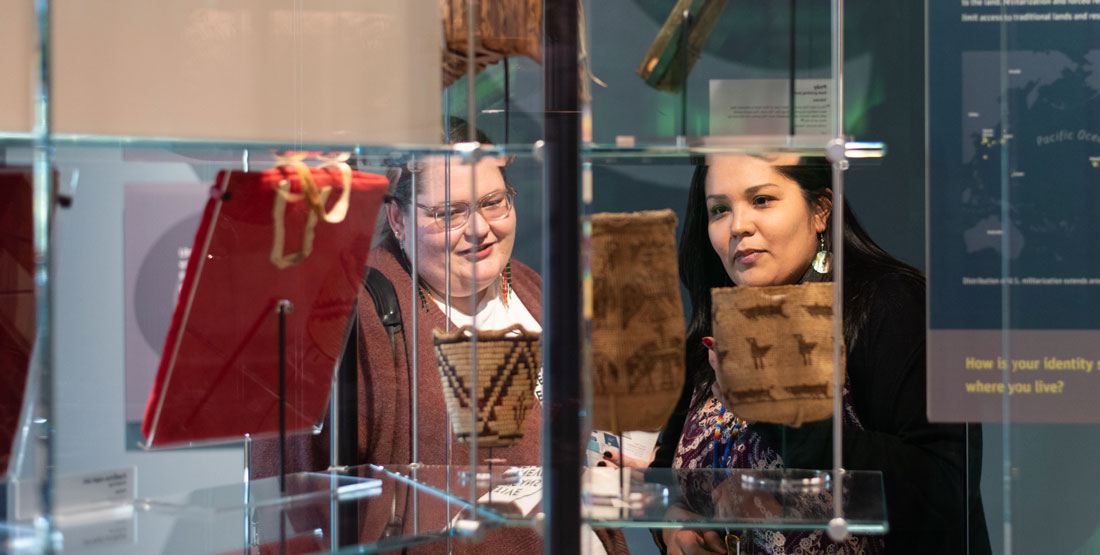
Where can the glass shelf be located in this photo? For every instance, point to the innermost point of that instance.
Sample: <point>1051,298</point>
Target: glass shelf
<point>625,152</point>
<point>627,148</point>
<point>629,151</point>
<point>12,139</point>
<point>789,499</point>
<point>63,139</point>
<point>298,488</point>
<point>16,539</point>
<point>686,498</point>
<point>215,150</point>
<point>217,520</point>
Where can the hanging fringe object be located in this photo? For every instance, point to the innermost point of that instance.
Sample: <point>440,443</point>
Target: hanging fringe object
<point>637,323</point>
<point>666,65</point>
<point>504,28</point>
<point>775,351</point>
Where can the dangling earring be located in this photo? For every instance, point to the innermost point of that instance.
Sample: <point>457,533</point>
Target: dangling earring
<point>506,283</point>
<point>408,268</point>
<point>823,260</point>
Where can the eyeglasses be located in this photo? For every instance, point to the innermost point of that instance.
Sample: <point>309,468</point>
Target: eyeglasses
<point>493,206</point>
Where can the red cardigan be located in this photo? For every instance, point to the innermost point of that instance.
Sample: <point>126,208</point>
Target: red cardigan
<point>385,431</point>
<point>384,392</point>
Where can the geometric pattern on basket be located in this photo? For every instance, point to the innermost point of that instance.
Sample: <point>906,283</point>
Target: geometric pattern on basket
<point>507,366</point>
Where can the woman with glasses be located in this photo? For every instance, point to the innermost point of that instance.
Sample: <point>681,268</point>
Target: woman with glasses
<point>463,251</point>
<point>464,246</point>
<point>460,215</point>
<point>450,221</point>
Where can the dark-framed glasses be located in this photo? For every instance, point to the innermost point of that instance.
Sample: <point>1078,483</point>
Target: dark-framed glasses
<point>493,206</point>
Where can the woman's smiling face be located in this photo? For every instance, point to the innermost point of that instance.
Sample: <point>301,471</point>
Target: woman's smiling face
<point>759,222</point>
<point>479,249</point>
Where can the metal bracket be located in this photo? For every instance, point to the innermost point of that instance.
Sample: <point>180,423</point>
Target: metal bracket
<point>836,151</point>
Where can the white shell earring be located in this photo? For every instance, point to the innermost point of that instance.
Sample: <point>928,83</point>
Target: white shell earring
<point>823,260</point>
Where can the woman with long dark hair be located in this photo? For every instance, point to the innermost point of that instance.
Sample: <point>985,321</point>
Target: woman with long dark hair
<point>754,221</point>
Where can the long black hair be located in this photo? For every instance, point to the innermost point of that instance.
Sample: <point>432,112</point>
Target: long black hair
<point>701,269</point>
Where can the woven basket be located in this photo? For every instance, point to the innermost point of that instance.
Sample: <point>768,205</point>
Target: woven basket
<point>504,28</point>
<point>637,321</point>
<point>507,366</point>
<point>775,351</point>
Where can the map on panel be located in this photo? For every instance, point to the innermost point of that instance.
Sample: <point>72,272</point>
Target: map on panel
<point>1013,194</point>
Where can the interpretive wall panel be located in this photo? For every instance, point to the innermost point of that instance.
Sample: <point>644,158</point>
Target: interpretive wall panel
<point>1014,160</point>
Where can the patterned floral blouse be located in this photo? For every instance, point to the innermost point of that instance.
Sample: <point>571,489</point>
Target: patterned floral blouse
<point>749,450</point>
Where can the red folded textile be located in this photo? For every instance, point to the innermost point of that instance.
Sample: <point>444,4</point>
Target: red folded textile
<point>218,373</point>
<point>307,543</point>
<point>17,309</point>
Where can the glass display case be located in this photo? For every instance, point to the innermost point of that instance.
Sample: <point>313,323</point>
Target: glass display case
<point>243,243</point>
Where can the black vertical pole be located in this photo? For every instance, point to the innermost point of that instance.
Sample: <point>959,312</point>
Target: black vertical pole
<point>284,307</point>
<point>561,423</point>
<point>346,429</point>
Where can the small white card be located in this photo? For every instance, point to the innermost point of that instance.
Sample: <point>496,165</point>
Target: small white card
<point>99,529</point>
<point>524,496</point>
<point>636,445</point>
<point>604,492</point>
<point>77,493</point>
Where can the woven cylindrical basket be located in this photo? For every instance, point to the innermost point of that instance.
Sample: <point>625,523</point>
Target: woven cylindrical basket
<point>775,351</point>
<point>504,28</point>
<point>508,362</point>
<point>637,321</point>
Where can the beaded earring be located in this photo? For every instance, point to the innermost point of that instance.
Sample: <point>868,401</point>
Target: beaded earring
<point>506,283</point>
<point>823,260</point>
<point>408,268</point>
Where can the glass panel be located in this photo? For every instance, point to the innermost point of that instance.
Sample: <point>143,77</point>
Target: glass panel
<point>17,58</point>
<point>159,197</point>
<point>477,225</point>
<point>309,517</point>
<point>634,183</point>
<point>1013,120</point>
<point>271,71</point>
<point>742,60</point>
<point>17,539</point>
<point>218,93</point>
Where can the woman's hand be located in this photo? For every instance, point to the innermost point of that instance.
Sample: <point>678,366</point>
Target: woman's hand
<point>733,502</point>
<point>679,541</point>
<point>712,356</point>
<point>689,542</point>
<point>613,458</point>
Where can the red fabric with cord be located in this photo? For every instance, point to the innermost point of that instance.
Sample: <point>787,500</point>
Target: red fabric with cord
<point>17,309</point>
<point>218,374</point>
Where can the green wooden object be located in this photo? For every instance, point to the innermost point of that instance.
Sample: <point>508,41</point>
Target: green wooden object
<point>665,66</point>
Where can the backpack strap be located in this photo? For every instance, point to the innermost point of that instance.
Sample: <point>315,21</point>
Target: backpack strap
<point>385,304</point>
<point>388,308</point>
<point>389,312</point>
